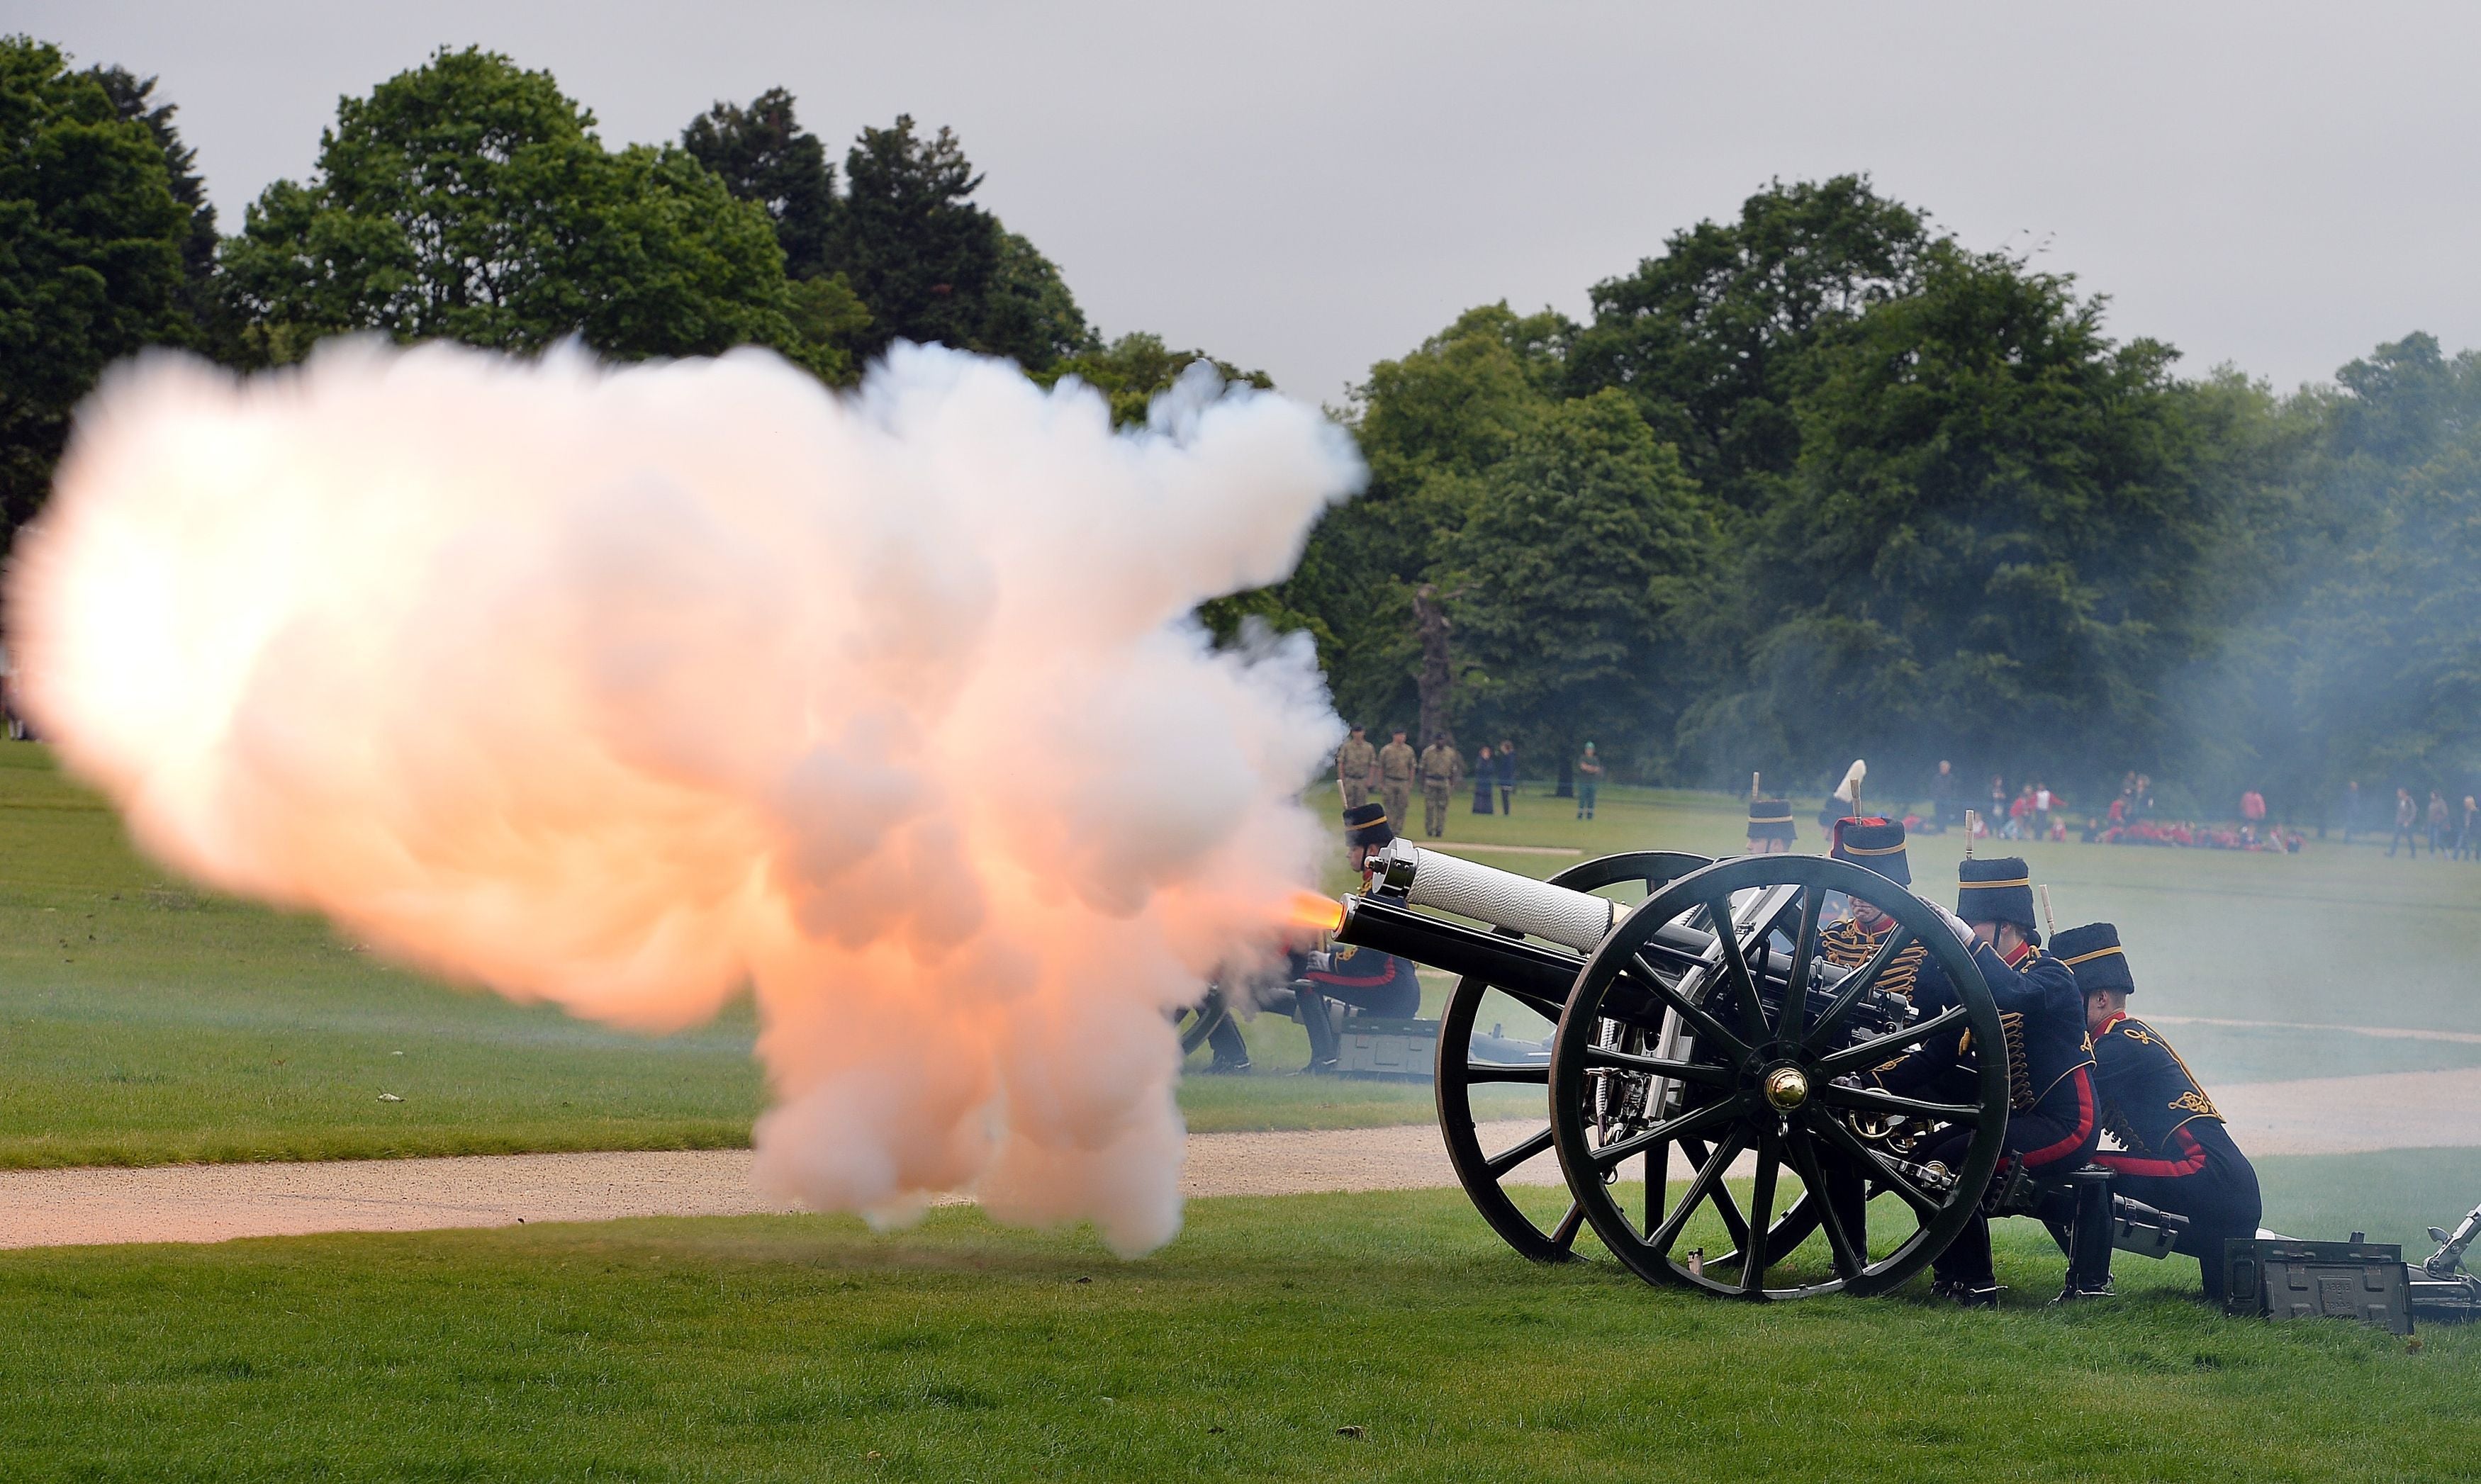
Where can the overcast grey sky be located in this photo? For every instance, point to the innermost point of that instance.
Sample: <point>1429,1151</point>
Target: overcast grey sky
<point>1309,188</point>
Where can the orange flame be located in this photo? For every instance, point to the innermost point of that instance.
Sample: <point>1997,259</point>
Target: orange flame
<point>1318,914</point>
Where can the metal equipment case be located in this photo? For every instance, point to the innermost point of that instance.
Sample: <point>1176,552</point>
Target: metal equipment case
<point>2285,1279</point>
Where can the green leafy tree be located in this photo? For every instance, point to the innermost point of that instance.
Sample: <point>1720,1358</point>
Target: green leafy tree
<point>134,99</point>
<point>762,154</point>
<point>1587,546</point>
<point>470,200</point>
<point>1429,423</point>
<point>2364,659</point>
<point>932,266</point>
<point>1717,338</point>
<point>1991,542</point>
<point>90,256</point>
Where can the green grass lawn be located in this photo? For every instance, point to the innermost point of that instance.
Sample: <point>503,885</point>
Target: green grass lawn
<point>802,1348</point>
<point>141,1020</point>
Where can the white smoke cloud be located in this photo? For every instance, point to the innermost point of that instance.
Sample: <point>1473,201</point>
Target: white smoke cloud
<point>623,688</point>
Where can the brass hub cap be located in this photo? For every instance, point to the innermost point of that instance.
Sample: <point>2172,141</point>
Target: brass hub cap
<point>1786,1089</point>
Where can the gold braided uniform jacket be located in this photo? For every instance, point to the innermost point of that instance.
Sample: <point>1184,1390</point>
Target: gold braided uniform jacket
<point>1848,944</point>
<point>2147,1094</point>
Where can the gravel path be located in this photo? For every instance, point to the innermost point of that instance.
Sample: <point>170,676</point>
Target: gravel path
<point>217,1202</point>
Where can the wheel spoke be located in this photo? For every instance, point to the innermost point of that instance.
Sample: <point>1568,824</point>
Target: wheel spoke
<point>1855,984</point>
<point>1850,1257</point>
<point>1499,1164</point>
<point>1707,1025</point>
<point>1480,1072</point>
<point>1875,1100</point>
<point>1659,1066</point>
<point>1564,1235</point>
<point>1870,1052</point>
<point>1804,945</point>
<point>1688,1124</point>
<point>1923,1203</point>
<point>1735,969</point>
<point>1761,1216</point>
<point>1708,1181</point>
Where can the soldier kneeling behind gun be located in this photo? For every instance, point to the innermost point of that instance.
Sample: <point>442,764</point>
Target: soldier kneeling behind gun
<point>1368,981</point>
<point>2052,1123</point>
<point>2175,1155</point>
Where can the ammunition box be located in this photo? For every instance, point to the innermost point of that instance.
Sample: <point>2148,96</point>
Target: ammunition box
<point>1371,1046</point>
<point>2284,1278</point>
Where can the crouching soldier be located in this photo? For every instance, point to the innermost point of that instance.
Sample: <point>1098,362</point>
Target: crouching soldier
<point>2175,1153</point>
<point>2053,1122</point>
<point>1366,979</point>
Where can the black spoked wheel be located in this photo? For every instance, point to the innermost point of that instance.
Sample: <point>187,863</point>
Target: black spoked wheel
<point>1467,1061</point>
<point>1198,1022</point>
<point>1688,1056</point>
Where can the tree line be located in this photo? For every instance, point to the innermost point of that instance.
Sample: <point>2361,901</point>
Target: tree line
<point>1823,482</point>
<point>469,198</point>
<point>1815,482</point>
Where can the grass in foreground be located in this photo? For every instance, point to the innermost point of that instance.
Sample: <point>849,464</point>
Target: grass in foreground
<point>811,1348</point>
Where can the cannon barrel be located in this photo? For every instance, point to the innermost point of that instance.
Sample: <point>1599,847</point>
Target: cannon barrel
<point>1403,876</point>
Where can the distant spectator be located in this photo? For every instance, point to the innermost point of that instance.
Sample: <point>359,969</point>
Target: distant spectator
<point>1589,782</point>
<point>2020,814</point>
<point>2351,811</point>
<point>2253,808</point>
<point>2437,821</point>
<point>2468,840</point>
<point>2042,810</point>
<point>1485,778</point>
<point>1997,801</point>
<point>1507,777</point>
<point>2142,806</point>
<point>2407,818</point>
<point>1945,808</point>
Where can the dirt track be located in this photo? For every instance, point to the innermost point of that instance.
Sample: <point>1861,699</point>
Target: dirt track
<point>214,1202</point>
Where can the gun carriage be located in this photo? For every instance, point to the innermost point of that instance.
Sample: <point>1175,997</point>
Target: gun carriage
<point>1703,1036</point>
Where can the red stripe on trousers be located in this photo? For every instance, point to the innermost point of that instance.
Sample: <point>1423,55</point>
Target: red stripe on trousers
<point>2076,1137</point>
<point>2189,1163</point>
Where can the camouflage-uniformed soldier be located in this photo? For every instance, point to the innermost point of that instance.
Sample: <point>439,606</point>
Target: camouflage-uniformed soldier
<point>1396,765</point>
<point>1356,768</point>
<point>1442,768</point>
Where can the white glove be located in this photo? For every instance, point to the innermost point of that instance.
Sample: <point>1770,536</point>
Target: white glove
<point>1955,925</point>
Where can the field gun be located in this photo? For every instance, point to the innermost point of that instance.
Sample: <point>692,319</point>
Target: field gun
<point>2441,1287</point>
<point>1702,1028</point>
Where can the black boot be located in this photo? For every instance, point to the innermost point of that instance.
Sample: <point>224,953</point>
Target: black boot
<point>2089,1235</point>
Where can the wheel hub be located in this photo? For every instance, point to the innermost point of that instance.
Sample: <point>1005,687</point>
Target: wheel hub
<point>1786,1089</point>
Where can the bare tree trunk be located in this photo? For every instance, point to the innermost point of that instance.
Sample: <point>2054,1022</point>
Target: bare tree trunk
<point>1430,622</point>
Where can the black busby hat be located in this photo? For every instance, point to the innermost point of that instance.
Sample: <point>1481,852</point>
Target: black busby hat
<point>1770,818</point>
<point>1998,891</point>
<point>2094,952</point>
<point>1365,825</point>
<point>1875,843</point>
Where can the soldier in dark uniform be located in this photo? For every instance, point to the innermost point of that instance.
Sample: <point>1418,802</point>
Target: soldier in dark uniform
<point>2175,1155</point>
<point>1370,981</point>
<point>1770,827</point>
<point>1373,982</point>
<point>1853,939</point>
<point>2054,1122</point>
